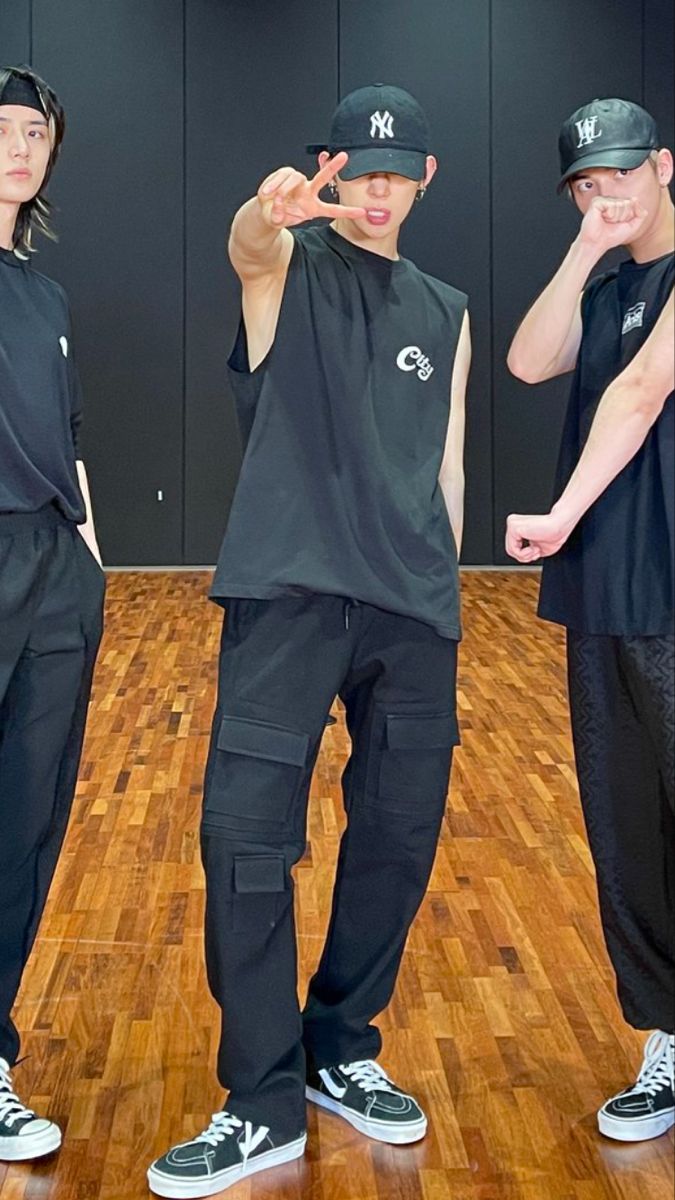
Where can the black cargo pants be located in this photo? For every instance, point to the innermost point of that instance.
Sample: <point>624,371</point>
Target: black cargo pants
<point>282,663</point>
<point>622,700</point>
<point>51,601</point>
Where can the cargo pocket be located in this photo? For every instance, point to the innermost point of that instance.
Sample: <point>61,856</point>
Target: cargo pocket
<point>415,759</point>
<point>260,892</point>
<point>257,772</point>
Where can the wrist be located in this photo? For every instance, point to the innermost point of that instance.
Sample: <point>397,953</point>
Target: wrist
<point>585,254</point>
<point>564,515</point>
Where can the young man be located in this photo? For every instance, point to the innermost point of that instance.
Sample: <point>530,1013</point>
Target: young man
<point>51,583</point>
<point>339,575</point>
<point>611,580</point>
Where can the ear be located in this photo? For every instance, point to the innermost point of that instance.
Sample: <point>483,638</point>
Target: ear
<point>323,158</point>
<point>664,167</point>
<point>431,169</point>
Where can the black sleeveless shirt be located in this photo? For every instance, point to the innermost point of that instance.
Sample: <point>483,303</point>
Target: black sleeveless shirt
<point>344,426</point>
<point>40,399</point>
<point>616,573</point>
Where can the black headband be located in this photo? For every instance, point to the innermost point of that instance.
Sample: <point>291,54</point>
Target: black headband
<point>22,91</point>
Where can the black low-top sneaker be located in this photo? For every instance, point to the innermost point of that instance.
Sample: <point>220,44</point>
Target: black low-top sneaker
<point>647,1109</point>
<point>23,1135</point>
<point>229,1150</point>
<point>365,1096</point>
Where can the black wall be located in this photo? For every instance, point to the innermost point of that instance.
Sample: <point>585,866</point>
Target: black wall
<point>177,109</point>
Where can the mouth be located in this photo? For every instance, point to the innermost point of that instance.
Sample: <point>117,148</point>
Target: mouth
<point>378,216</point>
<point>20,174</point>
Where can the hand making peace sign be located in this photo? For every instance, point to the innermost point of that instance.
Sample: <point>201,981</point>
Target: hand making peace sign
<point>287,197</point>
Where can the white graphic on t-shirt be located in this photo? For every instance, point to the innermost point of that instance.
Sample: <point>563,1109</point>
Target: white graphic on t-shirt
<point>587,131</point>
<point>63,343</point>
<point>411,358</point>
<point>382,125</point>
<point>633,317</point>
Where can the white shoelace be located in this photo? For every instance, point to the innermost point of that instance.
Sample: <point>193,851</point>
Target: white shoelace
<point>223,1125</point>
<point>658,1065</point>
<point>11,1108</point>
<point>367,1075</point>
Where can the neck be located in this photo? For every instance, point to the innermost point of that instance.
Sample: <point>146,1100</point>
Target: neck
<point>8,217</point>
<point>386,247</point>
<point>659,239</point>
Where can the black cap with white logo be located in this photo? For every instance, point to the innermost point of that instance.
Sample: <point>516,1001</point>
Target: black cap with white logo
<point>382,128</point>
<point>606,133</point>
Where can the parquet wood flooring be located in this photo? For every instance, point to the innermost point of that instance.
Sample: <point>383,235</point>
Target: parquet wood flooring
<point>505,1021</point>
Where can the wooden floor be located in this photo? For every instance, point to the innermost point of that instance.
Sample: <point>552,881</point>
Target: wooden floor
<point>505,1021</point>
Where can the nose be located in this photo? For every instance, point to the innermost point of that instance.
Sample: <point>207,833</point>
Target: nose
<point>379,184</point>
<point>20,147</point>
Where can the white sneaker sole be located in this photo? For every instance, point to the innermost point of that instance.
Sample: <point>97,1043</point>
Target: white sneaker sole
<point>640,1130</point>
<point>191,1189</point>
<point>35,1145</point>
<point>381,1131</point>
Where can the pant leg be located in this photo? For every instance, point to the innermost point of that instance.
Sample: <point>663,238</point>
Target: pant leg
<point>42,718</point>
<point>617,726</point>
<point>281,665</point>
<point>400,703</point>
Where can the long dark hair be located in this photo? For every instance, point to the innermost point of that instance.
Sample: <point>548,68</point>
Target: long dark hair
<point>35,214</point>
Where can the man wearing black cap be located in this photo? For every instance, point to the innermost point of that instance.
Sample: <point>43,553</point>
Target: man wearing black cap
<point>339,575</point>
<point>51,584</point>
<point>610,579</point>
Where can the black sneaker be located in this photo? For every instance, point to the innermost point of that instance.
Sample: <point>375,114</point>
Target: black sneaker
<point>229,1150</point>
<point>23,1135</point>
<point>647,1109</point>
<point>365,1096</point>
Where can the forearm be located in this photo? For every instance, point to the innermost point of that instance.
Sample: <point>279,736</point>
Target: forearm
<point>252,238</point>
<point>623,419</point>
<point>543,333</point>
<point>87,528</point>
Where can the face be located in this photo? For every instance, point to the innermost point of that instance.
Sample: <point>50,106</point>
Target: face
<point>387,198</point>
<point>24,152</point>
<point>644,183</point>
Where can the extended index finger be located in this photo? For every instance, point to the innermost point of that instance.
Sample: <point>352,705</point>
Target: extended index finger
<point>328,170</point>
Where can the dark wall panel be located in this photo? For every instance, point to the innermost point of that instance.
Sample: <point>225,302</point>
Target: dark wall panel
<point>659,84</point>
<point>14,32</point>
<point>548,59</point>
<point>261,79</point>
<point>118,67</point>
<point>440,52</point>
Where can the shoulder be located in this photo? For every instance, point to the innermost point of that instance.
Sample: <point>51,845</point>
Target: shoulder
<point>49,287</point>
<point>445,292</point>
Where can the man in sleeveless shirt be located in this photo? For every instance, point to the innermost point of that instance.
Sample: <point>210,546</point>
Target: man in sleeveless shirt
<point>51,582</point>
<point>339,575</point>
<point>609,558</point>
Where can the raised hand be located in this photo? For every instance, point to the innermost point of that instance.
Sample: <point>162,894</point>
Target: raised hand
<point>610,222</point>
<point>287,197</point>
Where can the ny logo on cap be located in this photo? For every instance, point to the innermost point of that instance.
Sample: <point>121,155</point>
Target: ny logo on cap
<point>382,125</point>
<point>587,131</point>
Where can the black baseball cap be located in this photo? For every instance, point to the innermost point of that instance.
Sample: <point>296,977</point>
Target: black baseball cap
<point>382,128</point>
<point>606,133</point>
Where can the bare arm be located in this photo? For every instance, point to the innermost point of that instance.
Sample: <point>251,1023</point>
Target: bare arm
<point>628,409</point>
<point>548,339</point>
<point>87,528</point>
<point>451,474</point>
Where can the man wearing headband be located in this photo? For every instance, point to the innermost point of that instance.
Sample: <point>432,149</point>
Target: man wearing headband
<point>339,575</point>
<point>611,578</point>
<point>51,583</point>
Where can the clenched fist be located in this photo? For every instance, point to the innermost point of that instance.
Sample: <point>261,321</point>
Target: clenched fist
<point>609,222</point>
<point>287,197</point>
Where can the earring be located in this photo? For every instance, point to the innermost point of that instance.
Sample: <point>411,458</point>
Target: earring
<point>332,188</point>
<point>421,192</point>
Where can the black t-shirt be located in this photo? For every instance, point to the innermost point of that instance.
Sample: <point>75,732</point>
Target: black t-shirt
<point>40,405</point>
<point>344,426</point>
<point>616,573</point>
